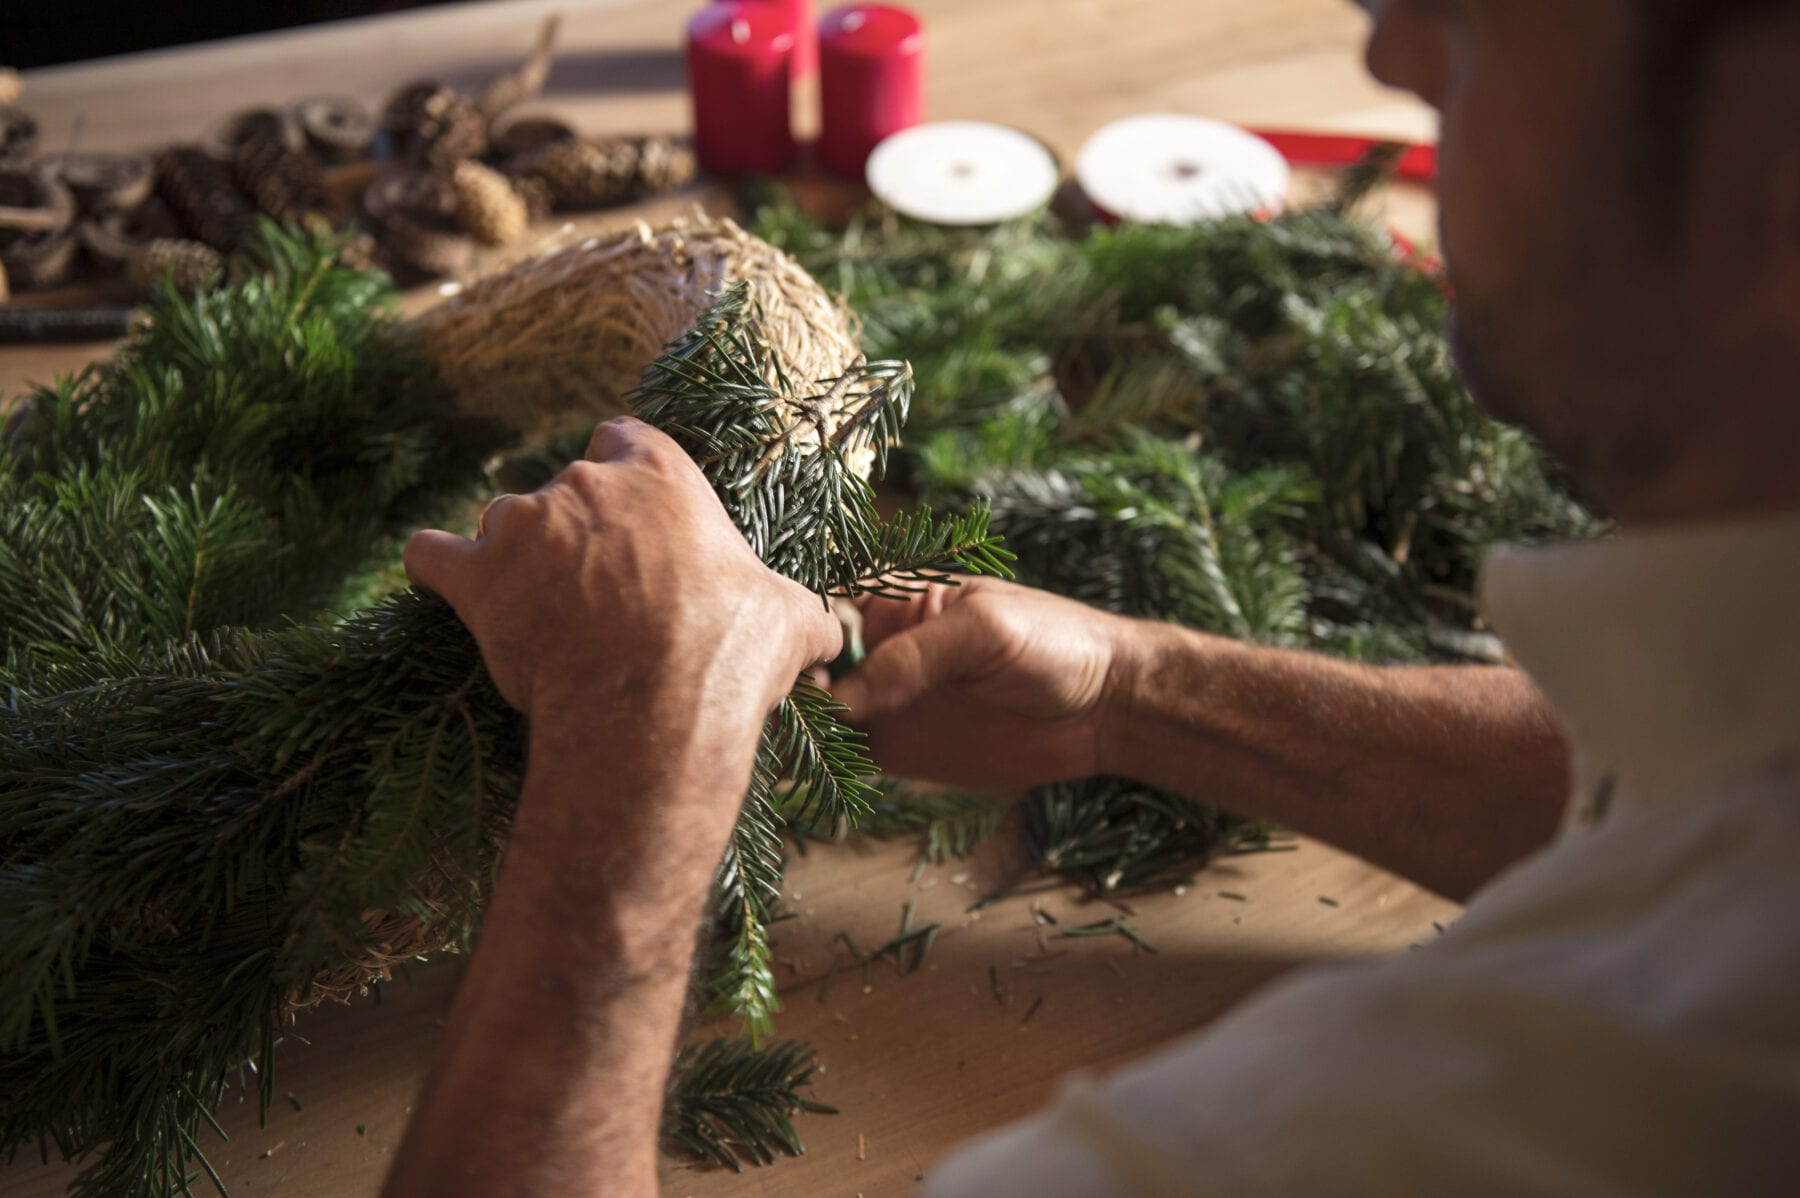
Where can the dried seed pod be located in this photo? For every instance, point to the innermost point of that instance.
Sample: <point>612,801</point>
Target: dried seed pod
<point>18,134</point>
<point>407,190</point>
<point>526,134</point>
<point>202,193</point>
<point>336,128</point>
<point>586,174</point>
<point>487,205</point>
<point>428,124</point>
<point>285,183</point>
<point>37,260</point>
<point>664,164</point>
<point>408,107</point>
<point>187,266</point>
<point>110,237</point>
<point>224,139</point>
<point>515,87</point>
<point>455,135</point>
<point>105,244</point>
<point>416,214</point>
<point>35,200</point>
<point>108,182</point>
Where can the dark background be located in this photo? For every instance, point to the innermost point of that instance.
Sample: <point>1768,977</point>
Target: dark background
<point>36,33</point>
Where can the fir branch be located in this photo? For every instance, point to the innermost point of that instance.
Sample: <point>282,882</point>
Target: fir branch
<point>946,824</point>
<point>732,1103</point>
<point>198,834</point>
<point>1116,836</point>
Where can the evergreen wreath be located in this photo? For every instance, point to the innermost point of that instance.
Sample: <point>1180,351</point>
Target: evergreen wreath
<point>209,819</point>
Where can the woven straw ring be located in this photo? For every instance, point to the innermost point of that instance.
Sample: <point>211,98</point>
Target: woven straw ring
<point>481,520</point>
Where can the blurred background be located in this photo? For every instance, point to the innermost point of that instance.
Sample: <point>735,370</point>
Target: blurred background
<point>36,34</point>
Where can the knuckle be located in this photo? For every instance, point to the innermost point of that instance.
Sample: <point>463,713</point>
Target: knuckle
<point>583,478</point>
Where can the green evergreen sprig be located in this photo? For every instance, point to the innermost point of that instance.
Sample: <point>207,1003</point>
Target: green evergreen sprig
<point>201,825</point>
<point>947,825</point>
<point>1251,427</point>
<point>733,1103</point>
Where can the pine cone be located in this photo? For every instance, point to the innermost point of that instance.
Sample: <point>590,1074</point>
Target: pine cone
<point>527,134</point>
<point>487,205</point>
<point>408,108</point>
<point>539,203</point>
<point>455,135</point>
<point>228,136</point>
<point>664,164</point>
<point>188,266</point>
<point>284,183</point>
<point>202,194</point>
<point>586,174</point>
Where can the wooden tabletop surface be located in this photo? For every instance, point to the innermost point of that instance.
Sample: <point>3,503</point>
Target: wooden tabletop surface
<point>914,1062</point>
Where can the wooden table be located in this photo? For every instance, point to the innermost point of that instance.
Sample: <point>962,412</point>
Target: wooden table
<point>915,1062</point>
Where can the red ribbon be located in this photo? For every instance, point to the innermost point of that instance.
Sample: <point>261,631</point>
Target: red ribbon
<point>1418,163</point>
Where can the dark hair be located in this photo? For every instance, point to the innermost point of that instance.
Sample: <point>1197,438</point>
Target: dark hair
<point>1674,39</point>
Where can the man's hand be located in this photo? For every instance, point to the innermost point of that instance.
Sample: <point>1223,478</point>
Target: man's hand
<point>624,569</point>
<point>987,684</point>
<point>620,610</point>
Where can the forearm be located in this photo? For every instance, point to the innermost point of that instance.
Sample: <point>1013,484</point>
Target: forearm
<point>552,1076</point>
<point>1444,775</point>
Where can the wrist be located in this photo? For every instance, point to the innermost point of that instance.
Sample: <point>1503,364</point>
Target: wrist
<point>1123,705</point>
<point>1152,688</point>
<point>623,787</point>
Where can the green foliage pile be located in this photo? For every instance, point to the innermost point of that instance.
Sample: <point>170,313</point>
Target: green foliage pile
<point>209,813</point>
<point>1249,427</point>
<point>215,803</point>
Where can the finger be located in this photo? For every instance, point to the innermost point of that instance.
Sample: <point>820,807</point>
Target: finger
<point>439,561</point>
<point>822,635</point>
<point>489,521</point>
<point>907,665</point>
<point>884,617</point>
<point>622,438</point>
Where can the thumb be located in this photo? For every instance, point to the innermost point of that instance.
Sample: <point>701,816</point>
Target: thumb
<point>437,561</point>
<point>908,665</point>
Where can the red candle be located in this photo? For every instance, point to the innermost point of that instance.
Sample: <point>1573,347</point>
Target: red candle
<point>806,34</point>
<point>870,57</point>
<point>740,58</point>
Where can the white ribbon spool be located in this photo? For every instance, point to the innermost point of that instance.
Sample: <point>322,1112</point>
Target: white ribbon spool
<point>962,173</point>
<point>1174,170</point>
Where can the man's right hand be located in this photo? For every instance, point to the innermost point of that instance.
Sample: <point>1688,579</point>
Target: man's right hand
<point>988,684</point>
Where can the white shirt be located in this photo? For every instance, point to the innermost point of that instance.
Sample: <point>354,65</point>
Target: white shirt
<point>1619,1014</point>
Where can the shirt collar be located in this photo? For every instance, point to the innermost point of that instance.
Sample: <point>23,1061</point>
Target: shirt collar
<point>1672,655</point>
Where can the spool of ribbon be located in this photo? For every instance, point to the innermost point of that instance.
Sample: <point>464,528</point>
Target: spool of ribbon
<point>962,173</point>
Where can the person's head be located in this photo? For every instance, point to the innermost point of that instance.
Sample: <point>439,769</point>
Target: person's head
<point>1620,213</point>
